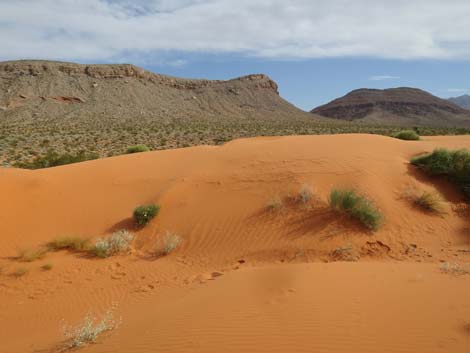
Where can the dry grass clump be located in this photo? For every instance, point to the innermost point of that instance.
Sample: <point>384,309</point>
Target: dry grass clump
<point>357,206</point>
<point>430,201</point>
<point>69,243</point>
<point>274,204</point>
<point>305,194</point>
<point>171,241</point>
<point>455,269</point>
<point>46,267</point>
<point>427,201</point>
<point>89,329</point>
<point>117,243</point>
<point>31,255</point>
<point>20,272</point>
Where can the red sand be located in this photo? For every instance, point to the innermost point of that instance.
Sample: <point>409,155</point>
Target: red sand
<point>281,297</point>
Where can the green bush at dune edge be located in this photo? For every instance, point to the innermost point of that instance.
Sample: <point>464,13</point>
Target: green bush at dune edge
<point>407,135</point>
<point>455,165</point>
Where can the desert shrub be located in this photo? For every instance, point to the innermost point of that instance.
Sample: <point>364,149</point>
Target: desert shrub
<point>53,159</point>
<point>137,149</point>
<point>430,202</point>
<point>89,329</point>
<point>454,165</point>
<point>47,267</point>
<point>20,272</point>
<point>31,255</point>
<point>116,243</point>
<point>357,206</point>
<point>455,269</point>
<point>274,204</point>
<point>408,135</point>
<point>143,214</point>
<point>305,194</point>
<point>68,243</point>
<point>170,242</point>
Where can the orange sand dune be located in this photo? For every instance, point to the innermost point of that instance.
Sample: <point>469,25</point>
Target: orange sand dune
<point>275,295</point>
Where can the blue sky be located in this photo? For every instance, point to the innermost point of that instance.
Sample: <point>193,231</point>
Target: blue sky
<point>309,83</point>
<point>316,50</point>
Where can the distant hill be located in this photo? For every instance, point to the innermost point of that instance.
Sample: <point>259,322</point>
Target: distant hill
<point>31,89</point>
<point>398,106</point>
<point>70,107</point>
<point>461,101</point>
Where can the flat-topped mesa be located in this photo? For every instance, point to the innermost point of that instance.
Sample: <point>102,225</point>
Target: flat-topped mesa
<point>403,106</point>
<point>121,71</point>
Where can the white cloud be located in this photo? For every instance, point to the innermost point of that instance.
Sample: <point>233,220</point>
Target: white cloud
<point>106,30</point>
<point>383,78</point>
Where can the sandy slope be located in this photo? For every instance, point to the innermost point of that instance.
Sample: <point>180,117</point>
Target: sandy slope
<point>275,295</point>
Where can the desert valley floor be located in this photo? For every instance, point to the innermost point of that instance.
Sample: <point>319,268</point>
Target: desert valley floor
<point>300,278</point>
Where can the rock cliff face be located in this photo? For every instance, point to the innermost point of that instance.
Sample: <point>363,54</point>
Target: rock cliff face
<point>403,106</point>
<point>56,89</point>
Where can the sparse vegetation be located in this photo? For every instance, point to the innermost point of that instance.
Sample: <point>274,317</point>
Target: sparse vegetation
<point>89,329</point>
<point>53,159</point>
<point>117,243</point>
<point>20,272</point>
<point>144,214</point>
<point>47,267</point>
<point>170,242</point>
<point>274,204</point>
<point>357,206</point>
<point>305,194</point>
<point>345,253</point>
<point>454,165</point>
<point>69,243</point>
<point>137,149</point>
<point>455,269</point>
<point>408,135</point>
<point>430,202</point>
<point>31,255</point>
<point>25,140</point>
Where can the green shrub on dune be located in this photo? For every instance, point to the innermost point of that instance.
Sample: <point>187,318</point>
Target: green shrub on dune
<point>455,165</point>
<point>137,149</point>
<point>143,214</point>
<point>408,135</point>
<point>357,206</point>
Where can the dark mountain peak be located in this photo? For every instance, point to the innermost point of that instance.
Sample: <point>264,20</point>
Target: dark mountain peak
<point>401,105</point>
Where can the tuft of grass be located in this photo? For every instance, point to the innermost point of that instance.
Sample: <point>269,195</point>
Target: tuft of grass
<point>274,204</point>
<point>31,255</point>
<point>170,242</point>
<point>356,206</point>
<point>143,214</point>
<point>305,194</point>
<point>117,243</point>
<point>47,267</point>
<point>408,135</point>
<point>430,202</point>
<point>455,165</point>
<point>20,272</point>
<point>89,329</point>
<point>455,269</point>
<point>69,243</point>
<point>137,149</point>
